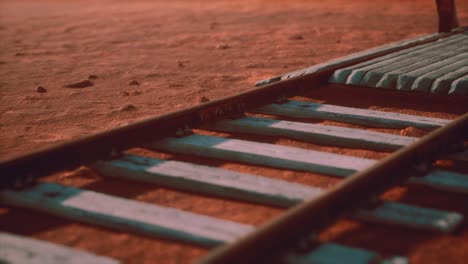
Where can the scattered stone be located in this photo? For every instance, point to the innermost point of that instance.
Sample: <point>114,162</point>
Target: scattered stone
<point>180,64</point>
<point>413,132</point>
<point>127,107</point>
<point>222,46</point>
<point>134,82</point>
<point>296,37</point>
<point>135,92</point>
<point>338,41</point>
<point>202,99</point>
<point>213,25</point>
<point>18,54</point>
<point>82,84</point>
<point>41,89</point>
<point>285,66</point>
<point>124,93</point>
<point>92,77</point>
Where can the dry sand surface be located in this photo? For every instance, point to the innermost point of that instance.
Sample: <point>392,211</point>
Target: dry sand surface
<point>104,64</point>
<point>177,51</point>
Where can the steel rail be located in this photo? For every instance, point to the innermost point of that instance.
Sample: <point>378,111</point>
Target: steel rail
<point>18,170</point>
<point>269,241</point>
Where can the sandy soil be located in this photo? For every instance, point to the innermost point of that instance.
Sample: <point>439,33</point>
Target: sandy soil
<point>177,52</point>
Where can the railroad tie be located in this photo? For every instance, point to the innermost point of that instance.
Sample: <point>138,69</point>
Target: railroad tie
<point>443,180</point>
<point>222,183</point>
<point>207,180</point>
<point>271,155</point>
<point>370,118</point>
<point>18,249</point>
<point>314,133</point>
<point>123,214</point>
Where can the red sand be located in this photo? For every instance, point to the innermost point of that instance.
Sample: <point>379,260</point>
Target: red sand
<point>179,51</point>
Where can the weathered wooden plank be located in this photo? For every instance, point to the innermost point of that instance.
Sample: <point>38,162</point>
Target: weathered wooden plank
<point>123,214</point>
<point>358,56</point>
<point>424,82</point>
<point>298,109</point>
<point>459,86</point>
<point>264,154</point>
<point>354,74</point>
<point>212,181</point>
<point>331,253</point>
<point>341,75</point>
<point>442,84</point>
<point>373,77</point>
<point>405,81</point>
<point>207,180</point>
<point>412,217</point>
<point>17,249</point>
<point>389,78</point>
<point>315,133</point>
<point>443,180</point>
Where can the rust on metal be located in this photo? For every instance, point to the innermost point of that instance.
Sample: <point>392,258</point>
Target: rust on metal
<point>270,240</point>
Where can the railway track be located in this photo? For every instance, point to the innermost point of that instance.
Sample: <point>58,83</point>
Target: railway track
<point>326,161</point>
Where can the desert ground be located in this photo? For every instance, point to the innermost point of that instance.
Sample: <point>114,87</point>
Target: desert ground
<point>177,51</point>
<point>74,68</point>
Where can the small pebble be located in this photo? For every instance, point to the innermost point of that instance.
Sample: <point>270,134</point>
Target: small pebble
<point>222,46</point>
<point>127,107</point>
<point>41,89</point>
<point>413,132</point>
<point>180,64</point>
<point>82,84</point>
<point>296,37</point>
<point>134,82</point>
<point>202,99</point>
<point>124,93</point>
<point>92,77</point>
<point>213,25</point>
